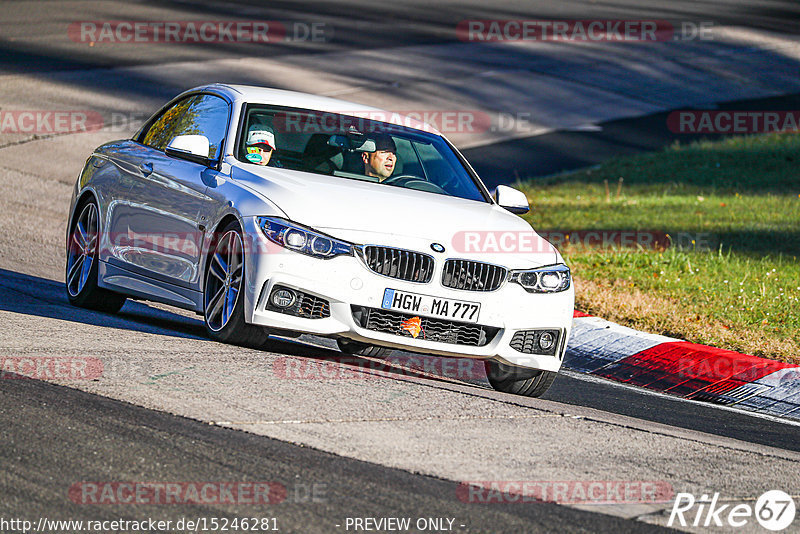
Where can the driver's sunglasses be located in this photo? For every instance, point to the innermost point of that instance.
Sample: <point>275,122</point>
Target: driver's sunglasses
<point>255,149</point>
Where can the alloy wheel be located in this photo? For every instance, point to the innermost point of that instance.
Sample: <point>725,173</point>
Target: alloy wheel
<point>224,280</point>
<point>82,247</point>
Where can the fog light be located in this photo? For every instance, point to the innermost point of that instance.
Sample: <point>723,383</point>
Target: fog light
<point>546,340</point>
<point>283,298</point>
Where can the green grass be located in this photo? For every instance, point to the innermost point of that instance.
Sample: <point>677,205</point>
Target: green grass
<point>737,286</point>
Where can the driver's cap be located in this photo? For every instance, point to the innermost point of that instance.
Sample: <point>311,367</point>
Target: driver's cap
<point>385,142</point>
<point>260,135</point>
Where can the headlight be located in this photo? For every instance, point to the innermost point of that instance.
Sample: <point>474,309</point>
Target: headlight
<point>551,279</point>
<point>302,239</point>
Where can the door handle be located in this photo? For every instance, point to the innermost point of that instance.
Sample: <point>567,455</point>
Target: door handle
<point>146,168</point>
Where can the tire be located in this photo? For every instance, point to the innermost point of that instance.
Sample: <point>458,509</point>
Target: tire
<point>362,349</point>
<point>81,266</point>
<point>519,380</point>
<point>223,303</point>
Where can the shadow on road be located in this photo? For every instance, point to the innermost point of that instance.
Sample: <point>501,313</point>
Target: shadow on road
<point>32,295</point>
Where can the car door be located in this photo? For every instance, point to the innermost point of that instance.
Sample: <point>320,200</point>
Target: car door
<point>167,204</point>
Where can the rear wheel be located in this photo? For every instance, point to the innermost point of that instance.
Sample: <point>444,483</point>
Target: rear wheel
<point>519,380</point>
<point>222,295</point>
<point>81,276</point>
<point>362,349</point>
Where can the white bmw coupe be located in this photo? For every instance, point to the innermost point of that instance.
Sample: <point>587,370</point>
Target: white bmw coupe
<point>271,211</point>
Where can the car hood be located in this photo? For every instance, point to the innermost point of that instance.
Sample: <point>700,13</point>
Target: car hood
<point>369,213</point>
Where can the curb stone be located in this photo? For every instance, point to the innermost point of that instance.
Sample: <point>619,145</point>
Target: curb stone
<point>681,368</point>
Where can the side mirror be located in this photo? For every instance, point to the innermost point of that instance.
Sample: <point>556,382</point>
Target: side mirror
<point>191,147</point>
<point>511,199</point>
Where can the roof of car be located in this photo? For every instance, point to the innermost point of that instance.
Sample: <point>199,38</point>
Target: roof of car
<point>265,95</point>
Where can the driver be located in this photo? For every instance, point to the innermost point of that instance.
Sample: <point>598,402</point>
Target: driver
<point>260,144</point>
<point>380,164</point>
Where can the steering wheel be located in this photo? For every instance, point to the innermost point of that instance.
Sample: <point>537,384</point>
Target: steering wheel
<point>410,181</point>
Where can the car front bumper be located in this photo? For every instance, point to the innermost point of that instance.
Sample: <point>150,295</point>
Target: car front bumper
<point>347,283</point>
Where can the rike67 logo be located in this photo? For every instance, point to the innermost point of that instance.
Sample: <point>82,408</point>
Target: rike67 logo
<point>774,510</point>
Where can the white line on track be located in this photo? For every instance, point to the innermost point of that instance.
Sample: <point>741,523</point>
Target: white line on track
<point>387,419</point>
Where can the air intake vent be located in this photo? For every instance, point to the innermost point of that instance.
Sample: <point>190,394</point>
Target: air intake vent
<point>472,275</point>
<point>398,263</point>
<point>431,329</point>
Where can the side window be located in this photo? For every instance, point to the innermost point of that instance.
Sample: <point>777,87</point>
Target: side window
<point>406,162</point>
<point>160,132</point>
<point>209,117</point>
<point>197,115</point>
<point>435,166</point>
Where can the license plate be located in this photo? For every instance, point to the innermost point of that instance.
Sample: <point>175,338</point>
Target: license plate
<point>457,310</point>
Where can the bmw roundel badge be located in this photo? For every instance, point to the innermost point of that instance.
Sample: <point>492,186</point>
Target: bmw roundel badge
<point>437,247</point>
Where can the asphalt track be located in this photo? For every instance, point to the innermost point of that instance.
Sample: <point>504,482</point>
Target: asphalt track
<point>54,436</point>
<point>32,42</point>
<point>33,295</point>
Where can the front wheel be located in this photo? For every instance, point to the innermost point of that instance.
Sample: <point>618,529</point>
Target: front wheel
<point>519,380</point>
<point>81,276</point>
<point>222,295</point>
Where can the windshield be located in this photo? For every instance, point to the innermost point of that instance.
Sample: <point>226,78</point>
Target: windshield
<point>354,148</point>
